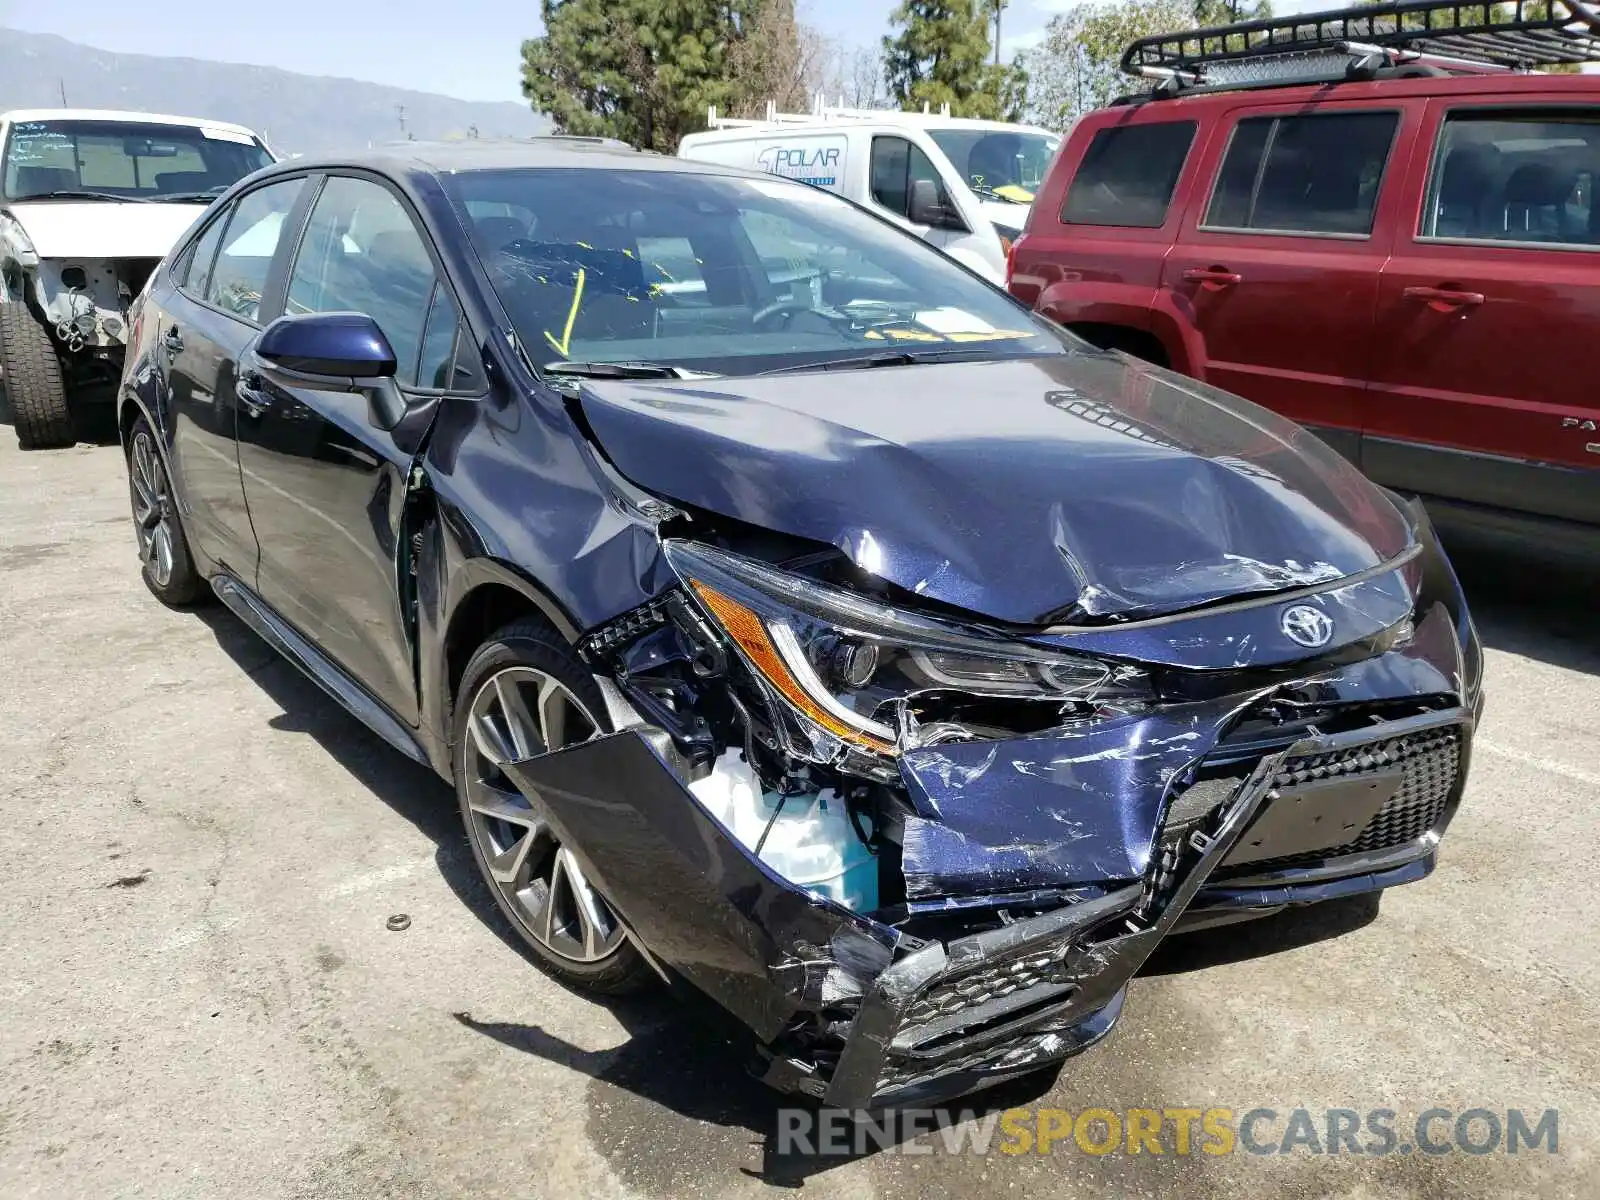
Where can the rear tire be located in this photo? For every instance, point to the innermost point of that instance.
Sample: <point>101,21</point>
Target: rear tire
<point>33,381</point>
<point>165,562</point>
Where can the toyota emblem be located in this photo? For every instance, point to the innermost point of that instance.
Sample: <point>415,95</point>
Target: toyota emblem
<point>1307,626</point>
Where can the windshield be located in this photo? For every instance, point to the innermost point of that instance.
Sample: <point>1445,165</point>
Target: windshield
<point>999,164</point>
<point>126,159</point>
<point>721,274</point>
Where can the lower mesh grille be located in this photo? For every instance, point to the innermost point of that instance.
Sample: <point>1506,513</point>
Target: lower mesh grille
<point>1431,760</point>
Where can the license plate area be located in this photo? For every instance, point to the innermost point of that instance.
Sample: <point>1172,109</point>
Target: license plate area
<point>1317,815</point>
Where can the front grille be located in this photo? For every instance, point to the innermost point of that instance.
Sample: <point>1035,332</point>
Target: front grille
<point>1021,1052</point>
<point>1431,761</point>
<point>989,982</point>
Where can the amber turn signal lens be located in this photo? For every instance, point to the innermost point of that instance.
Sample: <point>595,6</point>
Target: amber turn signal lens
<point>747,630</point>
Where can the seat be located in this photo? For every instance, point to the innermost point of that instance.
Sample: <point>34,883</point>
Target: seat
<point>39,181</point>
<point>1535,202</point>
<point>1465,186</point>
<point>172,182</point>
<point>497,232</point>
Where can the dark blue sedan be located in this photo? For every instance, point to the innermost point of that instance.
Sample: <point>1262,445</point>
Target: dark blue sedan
<point>796,615</point>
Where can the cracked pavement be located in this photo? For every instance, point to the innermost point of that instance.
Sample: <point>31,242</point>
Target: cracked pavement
<point>201,996</point>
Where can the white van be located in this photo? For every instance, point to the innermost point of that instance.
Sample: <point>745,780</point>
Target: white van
<point>963,184</point>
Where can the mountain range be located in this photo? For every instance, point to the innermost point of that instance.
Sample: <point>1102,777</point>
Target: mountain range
<point>297,113</point>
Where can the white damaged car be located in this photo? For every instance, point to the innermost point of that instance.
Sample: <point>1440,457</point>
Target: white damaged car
<point>90,203</point>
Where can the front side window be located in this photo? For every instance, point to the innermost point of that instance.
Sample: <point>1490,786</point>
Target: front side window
<point>896,165</point>
<point>362,253</point>
<point>126,159</point>
<point>725,274</point>
<point>239,277</point>
<point>1128,175</point>
<point>1317,174</point>
<point>1516,177</point>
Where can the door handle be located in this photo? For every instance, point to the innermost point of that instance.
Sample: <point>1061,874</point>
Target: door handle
<point>1447,297</point>
<point>172,341</point>
<point>252,399</point>
<point>1217,275</point>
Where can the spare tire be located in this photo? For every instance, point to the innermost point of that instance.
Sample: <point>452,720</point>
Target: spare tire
<point>33,383</point>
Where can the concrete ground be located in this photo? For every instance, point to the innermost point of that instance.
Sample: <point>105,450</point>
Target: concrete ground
<point>200,997</point>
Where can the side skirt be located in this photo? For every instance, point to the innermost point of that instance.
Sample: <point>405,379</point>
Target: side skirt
<point>331,678</point>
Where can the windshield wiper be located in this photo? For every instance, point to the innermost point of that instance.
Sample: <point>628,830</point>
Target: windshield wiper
<point>189,197</point>
<point>79,194</point>
<point>616,370</point>
<point>883,358</point>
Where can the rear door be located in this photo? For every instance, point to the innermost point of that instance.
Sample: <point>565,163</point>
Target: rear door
<point>1277,268</point>
<point>327,488</point>
<point>1092,254</point>
<point>1483,389</point>
<point>206,323</point>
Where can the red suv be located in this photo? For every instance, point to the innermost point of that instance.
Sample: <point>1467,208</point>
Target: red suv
<point>1401,252</point>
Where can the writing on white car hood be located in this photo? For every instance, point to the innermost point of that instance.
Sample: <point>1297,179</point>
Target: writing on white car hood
<point>102,228</point>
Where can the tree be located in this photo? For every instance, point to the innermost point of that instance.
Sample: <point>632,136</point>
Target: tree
<point>1077,68</point>
<point>939,56</point>
<point>645,71</point>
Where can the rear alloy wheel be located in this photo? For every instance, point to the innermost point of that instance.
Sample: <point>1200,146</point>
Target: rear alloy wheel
<point>164,558</point>
<point>520,698</point>
<point>33,380</point>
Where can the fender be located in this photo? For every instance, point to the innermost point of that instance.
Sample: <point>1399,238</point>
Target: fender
<point>1131,306</point>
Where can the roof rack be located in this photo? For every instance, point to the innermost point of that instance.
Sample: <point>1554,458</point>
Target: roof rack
<point>821,113</point>
<point>1434,36</point>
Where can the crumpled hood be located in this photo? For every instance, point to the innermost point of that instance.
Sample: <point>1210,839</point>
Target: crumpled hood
<point>102,228</point>
<point>1028,491</point>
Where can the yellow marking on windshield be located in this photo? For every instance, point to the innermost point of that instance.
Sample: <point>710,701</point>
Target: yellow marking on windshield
<point>913,335</point>
<point>561,347</point>
<point>988,335</point>
<point>1011,191</point>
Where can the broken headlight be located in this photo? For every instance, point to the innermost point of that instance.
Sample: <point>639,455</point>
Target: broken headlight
<point>855,673</point>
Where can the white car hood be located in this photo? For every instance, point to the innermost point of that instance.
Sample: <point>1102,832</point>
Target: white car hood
<point>1012,216</point>
<point>103,229</point>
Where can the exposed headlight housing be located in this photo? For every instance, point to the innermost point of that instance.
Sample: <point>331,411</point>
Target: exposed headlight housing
<point>852,673</point>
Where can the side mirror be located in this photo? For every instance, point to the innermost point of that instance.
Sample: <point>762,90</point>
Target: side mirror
<point>334,352</point>
<point>925,208</point>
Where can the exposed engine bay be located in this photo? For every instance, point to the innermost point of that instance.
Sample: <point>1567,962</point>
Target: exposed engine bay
<point>84,305</point>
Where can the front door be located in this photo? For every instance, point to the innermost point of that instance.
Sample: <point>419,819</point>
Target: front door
<point>327,488</point>
<point>206,323</point>
<point>1483,388</point>
<point>1277,269</point>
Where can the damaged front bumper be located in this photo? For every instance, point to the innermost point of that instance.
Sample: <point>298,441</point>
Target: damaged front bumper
<point>864,1014</point>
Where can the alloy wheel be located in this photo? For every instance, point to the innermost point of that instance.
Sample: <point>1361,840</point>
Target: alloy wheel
<point>152,509</point>
<point>517,713</point>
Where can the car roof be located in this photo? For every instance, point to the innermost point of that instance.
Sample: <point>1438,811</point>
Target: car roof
<point>1194,101</point>
<point>110,114</point>
<point>496,154</point>
<point>888,119</point>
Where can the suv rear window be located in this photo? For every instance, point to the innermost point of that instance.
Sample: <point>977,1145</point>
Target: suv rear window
<point>1128,175</point>
<point>1516,177</point>
<point>1303,174</point>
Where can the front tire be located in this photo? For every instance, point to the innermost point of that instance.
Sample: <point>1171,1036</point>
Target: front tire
<point>33,381</point>
<point>523,694</point>
<point>165,562</point>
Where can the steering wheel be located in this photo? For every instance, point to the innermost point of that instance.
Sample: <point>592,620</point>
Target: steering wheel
<point>787,306</point>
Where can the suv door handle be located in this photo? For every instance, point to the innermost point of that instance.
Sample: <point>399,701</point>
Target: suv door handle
<point>1445,296</point>
<point>1218,275</point>
<point>172,340</point>
<point>252,399</point>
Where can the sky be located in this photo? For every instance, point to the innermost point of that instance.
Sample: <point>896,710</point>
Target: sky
<point>464,48</point>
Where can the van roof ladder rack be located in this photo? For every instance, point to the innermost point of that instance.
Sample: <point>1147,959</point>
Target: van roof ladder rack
<point>1436,36</point>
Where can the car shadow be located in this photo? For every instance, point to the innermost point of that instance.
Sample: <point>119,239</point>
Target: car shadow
<point>94,422</point>
<point>1529,602</point>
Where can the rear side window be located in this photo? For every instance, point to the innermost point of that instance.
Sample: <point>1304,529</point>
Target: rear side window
<point>1315,174</point>
<point>195,271</point>
<point>1128,176</point>
<point>1516,177</point>
<point>240,275</point>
